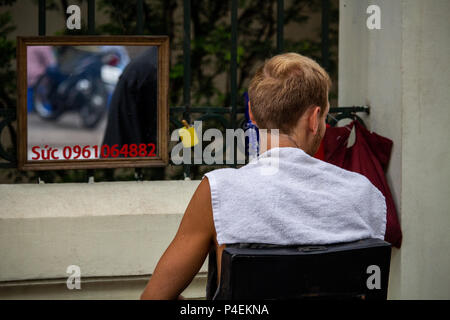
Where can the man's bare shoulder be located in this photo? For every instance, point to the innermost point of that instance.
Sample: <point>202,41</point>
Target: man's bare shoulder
<point>198,216</point>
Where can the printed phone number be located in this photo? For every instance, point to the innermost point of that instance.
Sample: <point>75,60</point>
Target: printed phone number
<point>89,152</point>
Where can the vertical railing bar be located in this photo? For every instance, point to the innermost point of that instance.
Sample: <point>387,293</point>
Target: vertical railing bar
<point>41,18</point>
<point>140,17</point>
<point>91,16</point>
<point>233,71</point>
<point>233,85</point>
<point>187,58</point>
<point>187,70</point>
<point>325,34</point>
<point>280,26</point>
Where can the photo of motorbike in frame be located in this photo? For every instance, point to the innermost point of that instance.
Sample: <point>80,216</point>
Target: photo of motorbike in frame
<point>83,84</point>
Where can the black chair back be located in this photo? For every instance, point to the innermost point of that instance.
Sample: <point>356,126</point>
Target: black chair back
<point>356,270</point>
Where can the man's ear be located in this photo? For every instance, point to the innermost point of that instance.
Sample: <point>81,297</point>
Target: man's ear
<point>313,119</point>
<point>250,114</point>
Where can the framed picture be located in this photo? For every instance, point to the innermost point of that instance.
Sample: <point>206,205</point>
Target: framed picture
<point>90,102</point>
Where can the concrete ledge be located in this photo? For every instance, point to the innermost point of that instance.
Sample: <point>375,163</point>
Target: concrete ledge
<point>117,288</point>
<point>94,199</point>
<point>107,229</point>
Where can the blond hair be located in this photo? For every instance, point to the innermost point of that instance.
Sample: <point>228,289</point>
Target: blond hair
<point>284,88</point>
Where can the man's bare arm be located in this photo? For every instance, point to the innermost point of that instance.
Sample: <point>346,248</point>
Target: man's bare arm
<point>187,251</point>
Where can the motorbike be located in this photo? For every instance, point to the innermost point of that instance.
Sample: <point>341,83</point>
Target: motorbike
<point>85,87</point>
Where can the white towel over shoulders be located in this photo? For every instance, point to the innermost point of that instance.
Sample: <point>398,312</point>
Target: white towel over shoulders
<point>288,197</point>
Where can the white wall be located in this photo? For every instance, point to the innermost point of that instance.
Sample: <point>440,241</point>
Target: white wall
<point>115,232</point>
<point>402,71</point>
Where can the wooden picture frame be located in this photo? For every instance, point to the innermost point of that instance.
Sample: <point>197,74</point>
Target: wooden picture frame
<point>162,156</point>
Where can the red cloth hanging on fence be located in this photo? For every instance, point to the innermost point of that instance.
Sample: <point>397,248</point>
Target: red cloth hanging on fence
<point>320,154</point>
<point>369,156</point>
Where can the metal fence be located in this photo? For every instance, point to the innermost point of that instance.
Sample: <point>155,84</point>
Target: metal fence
<point>177,113</point>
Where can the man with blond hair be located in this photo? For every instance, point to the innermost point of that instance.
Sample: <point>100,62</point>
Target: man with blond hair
<point>300,200</point>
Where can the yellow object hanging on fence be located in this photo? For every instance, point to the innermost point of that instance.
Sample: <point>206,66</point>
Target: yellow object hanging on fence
<point>188,135</point>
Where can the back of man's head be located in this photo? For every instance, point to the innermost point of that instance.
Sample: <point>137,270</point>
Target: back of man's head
<point>284,88</point>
